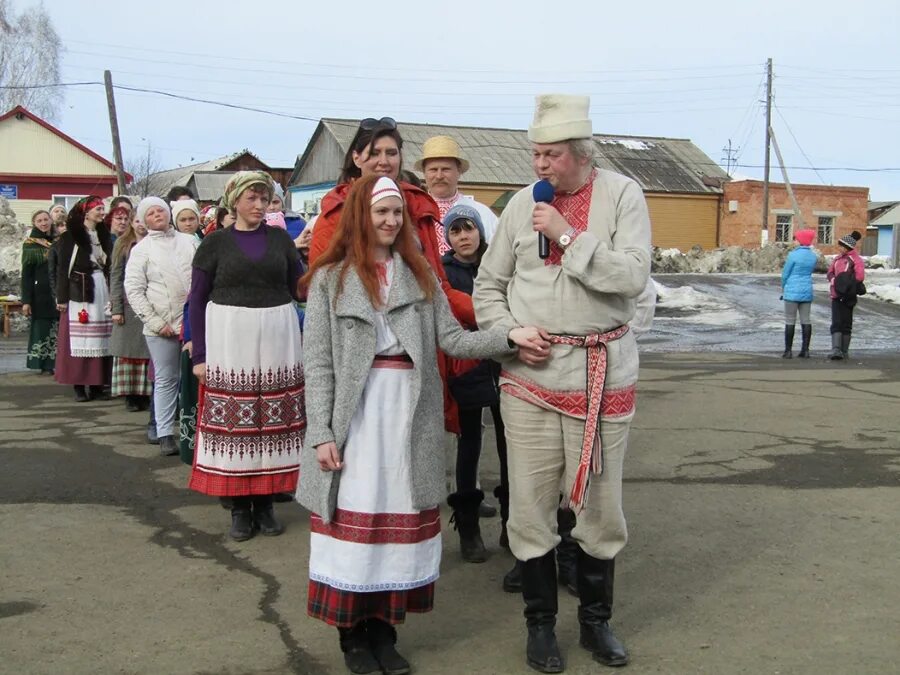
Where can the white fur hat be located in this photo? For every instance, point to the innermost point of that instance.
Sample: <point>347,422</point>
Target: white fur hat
<point>184,205</point>
<point>560,117</point>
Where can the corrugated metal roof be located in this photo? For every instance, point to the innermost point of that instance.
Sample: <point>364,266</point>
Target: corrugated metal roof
<point>889,217</point>
<point>503,156</point>
<point>163,181</point>
<point>210,185</point>
<point>874,206</point>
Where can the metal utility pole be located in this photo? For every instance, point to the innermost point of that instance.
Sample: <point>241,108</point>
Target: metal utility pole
<point>765,205</point>
<point>114,128</point>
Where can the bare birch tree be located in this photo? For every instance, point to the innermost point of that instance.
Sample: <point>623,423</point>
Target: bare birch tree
<point>142,170</point>
<point>30,53</point>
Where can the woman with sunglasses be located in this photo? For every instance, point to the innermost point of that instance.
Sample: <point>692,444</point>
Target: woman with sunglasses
<point>376,150</point>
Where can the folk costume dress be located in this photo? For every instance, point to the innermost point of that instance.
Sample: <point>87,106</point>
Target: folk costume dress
<point>131,358</point>
<point>379,556</point>
<point>251,415</point>
<point>85,330</point>
<point>36,291</point>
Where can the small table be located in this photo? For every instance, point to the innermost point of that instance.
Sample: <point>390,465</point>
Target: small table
<point>9,308</point>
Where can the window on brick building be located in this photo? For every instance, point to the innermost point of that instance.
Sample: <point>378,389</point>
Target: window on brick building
<point>826,230</point>
<point>783,224</point>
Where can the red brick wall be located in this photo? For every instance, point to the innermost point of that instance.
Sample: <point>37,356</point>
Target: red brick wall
<point>743,228</point>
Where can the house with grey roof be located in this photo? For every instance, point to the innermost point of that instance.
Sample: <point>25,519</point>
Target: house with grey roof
<point>682,184</point>
<point>884,222</point>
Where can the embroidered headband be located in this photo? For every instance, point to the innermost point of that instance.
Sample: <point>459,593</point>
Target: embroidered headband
<point>384,188</point>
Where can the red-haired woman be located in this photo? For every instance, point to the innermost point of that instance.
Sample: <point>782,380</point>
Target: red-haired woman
<point>372,467</point>
<point>377,150</point>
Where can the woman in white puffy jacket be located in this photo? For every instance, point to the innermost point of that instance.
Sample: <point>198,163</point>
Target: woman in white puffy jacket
<point>157,281</point>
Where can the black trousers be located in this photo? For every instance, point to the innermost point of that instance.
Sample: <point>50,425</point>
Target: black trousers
<point>841,317</point>
<point>468,447</point>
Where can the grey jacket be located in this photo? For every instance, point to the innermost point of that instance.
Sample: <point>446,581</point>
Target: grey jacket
<point>127,340</point>
<point>338,349</point>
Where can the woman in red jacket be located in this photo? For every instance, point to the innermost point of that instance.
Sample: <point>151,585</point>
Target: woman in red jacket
<point>376,150</point>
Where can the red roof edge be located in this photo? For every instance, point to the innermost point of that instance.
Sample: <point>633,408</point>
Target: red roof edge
<point>65,137</point>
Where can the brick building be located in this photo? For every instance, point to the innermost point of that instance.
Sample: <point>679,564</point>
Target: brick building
<point>832,210</point>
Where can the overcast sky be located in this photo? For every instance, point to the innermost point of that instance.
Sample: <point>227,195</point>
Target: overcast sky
<point>659,68</point>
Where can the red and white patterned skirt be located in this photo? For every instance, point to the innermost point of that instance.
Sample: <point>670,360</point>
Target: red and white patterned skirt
<point>251,417</point>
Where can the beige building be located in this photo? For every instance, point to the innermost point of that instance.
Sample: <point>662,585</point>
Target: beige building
<point>40,166</point>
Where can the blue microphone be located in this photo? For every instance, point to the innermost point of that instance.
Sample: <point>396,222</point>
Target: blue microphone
<point>543,192</point>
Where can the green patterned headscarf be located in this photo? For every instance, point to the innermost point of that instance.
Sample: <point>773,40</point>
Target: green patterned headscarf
<point>243,180</point>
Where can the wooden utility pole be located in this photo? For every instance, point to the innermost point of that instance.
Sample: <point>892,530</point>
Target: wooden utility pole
<point>114,128</point>
<point>787,182</point>
<point>765,206</point>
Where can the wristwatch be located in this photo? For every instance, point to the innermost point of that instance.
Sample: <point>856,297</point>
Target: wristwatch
<point>568,237</point>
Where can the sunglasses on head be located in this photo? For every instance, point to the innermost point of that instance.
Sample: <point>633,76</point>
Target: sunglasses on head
<point>371,123</point>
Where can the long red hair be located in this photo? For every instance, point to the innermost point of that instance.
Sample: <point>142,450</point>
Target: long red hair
<point>353,245</point>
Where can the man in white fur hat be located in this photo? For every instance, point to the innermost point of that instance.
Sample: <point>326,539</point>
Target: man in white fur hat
<point>568,405</point>
<point>443,164</point>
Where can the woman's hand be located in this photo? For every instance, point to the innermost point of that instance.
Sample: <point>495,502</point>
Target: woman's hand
<point>188,347</point>
<point>167,331</point>
<point>118,319</point>
<point>26,310</point>
<point>533,343</point>
<point>303,239</point>
<point>328,457</point>
<point>199,371</point>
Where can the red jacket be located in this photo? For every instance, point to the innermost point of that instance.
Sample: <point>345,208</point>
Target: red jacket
<point>424,214</point>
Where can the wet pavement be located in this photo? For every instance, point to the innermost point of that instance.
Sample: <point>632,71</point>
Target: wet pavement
<point>762,503</point>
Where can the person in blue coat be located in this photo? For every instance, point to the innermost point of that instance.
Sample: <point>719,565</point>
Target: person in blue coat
<point>797,292</point>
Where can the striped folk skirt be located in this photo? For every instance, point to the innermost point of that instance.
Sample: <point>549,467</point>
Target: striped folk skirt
<point>251,416</point>
<point>378,556</point>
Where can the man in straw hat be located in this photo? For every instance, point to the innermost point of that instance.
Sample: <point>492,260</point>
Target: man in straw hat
<point>443,164</point>
<point>568,405</point>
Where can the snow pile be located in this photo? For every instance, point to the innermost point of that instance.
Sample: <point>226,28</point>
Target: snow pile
<point>689,304</point>
<point>886,292</point>
<point>767,260</point>
<point>12,234</point>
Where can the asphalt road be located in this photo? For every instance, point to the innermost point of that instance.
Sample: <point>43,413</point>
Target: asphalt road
<point>762,500</point>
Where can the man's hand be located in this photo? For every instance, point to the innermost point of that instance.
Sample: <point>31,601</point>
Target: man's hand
<point>549,221</point>
<point>118,319</point>
<point>26,310</point>
<point>328,457</point>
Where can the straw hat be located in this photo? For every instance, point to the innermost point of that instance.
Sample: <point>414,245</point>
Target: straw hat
<point>560,117</point>
<point>442,147</point>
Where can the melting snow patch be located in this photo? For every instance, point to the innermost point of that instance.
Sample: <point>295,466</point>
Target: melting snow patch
<point>886,292</point>
<point>629,143</point>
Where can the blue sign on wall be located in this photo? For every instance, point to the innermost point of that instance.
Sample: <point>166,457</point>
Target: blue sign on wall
<point>9,191</point>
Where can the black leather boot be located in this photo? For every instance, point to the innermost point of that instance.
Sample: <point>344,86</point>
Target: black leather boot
<point>382,638</point>
<point>358,654</point>
<point>806,330</point>
<point>80,394</point>
<point>845,345</point>
<point>539,593</point>
<point>132,403</point>
<point>512,580</point>
<point>837,354</point>
<point>595,590</point>
<point>465,520</point>
<point>167,446</point>
<point>501,492</point>
<point>241,519</point>
<point>566,550</point>
<point>264,516</point>
<point>788,341</point>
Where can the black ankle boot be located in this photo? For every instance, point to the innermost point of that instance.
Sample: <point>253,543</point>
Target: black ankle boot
<point>788,341</point>
<point>264,516</point>
<point>595,590</point>
<point>512,580</point>
<point>358,654</point>
<point>837,353</point>
<point>382,638</point>
<point>806,330</point>
<point>131,404</point>
<point>845,345</point>
<point>465,519</point>
<point>539,593</point>
<point>241,519</point>
<point>80,394</point>
<point>501,492</point>
<point>566,550</point>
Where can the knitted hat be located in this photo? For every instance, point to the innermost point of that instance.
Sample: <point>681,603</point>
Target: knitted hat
<point>384,187</point>
<point>560,117</point>
<point>184,205</point>
<point>442,147</point>
<point>148,202</point>
<point>462,212</point>
<point>805,237</point>
<point>279,191</point>
<point>850,240</point>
